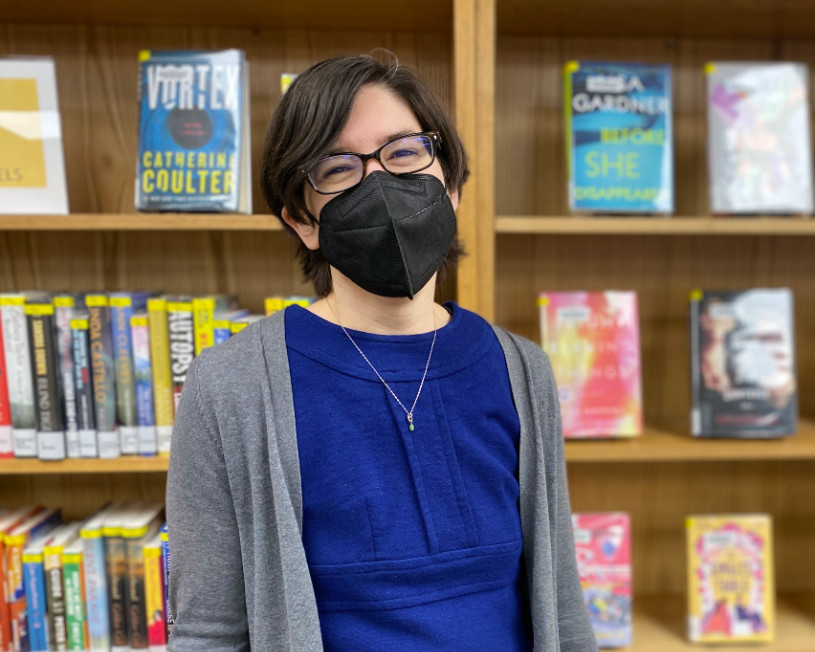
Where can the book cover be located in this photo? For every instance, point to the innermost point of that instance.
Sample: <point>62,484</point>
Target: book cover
<point>55,593</point>
<point>20,378</point>
<point>759,149</point>
<point>731,593</point>
<point>193,132</point>
<point>6,438</point>
<point>34,586</point>
<point>47,381</point>
<point>154,594</point>
<point>162,372</point>
<point>8,522</point>
<point>165,566</point>
<point>743,371</point>
<point>74,582</point>
<point>205,311</point>
<point>136,531</point>
<point>115,571</point>
<point>239,323</point>
<point>122,307</point>
<point>273,304</point>
<point>143,369</point>
<point>603,546</point>
<point>593,342</point>
<point>32,170</point>
<point>103,376</point>
<point>85,411</point>
<point>96,586</point>
<point>619,137</point>
<point>222,324</point>
<point>64,306</point>
<point>180,323</point>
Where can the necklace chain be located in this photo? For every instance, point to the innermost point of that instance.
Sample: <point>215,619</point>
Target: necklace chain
<point>408,413</point>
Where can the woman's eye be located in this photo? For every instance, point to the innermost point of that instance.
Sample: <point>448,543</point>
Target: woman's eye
<point>402,153</point>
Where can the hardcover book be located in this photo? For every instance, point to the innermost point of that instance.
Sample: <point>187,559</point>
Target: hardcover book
<point>593,342</point>
<point>32,170</point>
<point>20,379</point>
<point>96,586</point>
<point>73,581</point>
<point>193,132</point>
<point>55,590</point>
<point>162,372</point>
<point>85,411</point>
<point>759,149</point>
<point>102,364</point>
<point>6,438</point>
<point>743,371</point>
<point>64,306</point>
<point>206,310</point>
<point>154,592</point>
<point>603,544</point>
<point>138,530</point>
<point>731,594</point>
<point>34,584</point>
<point>143,372</point>
<point>180,323</point>
<point>619,137</point>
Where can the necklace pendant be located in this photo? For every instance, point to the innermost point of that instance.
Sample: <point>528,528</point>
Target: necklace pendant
<point>410,422</point>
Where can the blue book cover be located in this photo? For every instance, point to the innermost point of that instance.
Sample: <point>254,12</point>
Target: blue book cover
<point>619,137</point>
<point>222,325</point>
<point>34,583</point>
<point>193,132</point>
<point>165,564</point>
<point>96,585</point>
<point>145,408</point>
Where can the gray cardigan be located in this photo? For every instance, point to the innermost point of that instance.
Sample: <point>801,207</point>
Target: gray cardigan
<point>239,578</point>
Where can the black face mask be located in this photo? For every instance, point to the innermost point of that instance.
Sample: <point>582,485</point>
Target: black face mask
<point>389,234</point>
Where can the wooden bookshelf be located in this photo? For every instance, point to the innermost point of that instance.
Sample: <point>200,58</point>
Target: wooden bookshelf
<point>140,222</point>
<point>126,464</point>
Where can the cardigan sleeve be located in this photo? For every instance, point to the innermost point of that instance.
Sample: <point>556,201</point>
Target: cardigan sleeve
<point>206,590</point>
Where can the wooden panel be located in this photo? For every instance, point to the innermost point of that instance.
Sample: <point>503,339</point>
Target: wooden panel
<point>97,84</point>
<point>140,222</point>
<point>659,497</point>
<point>663,270</point>
<point>124,464</point>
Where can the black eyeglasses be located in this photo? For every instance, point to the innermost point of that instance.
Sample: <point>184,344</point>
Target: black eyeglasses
<point>403,155</point>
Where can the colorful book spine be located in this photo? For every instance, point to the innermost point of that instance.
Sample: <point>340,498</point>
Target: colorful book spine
<point>154,595</point>
<point>115,567</point>
<point>7,524</point>
<point>96,588</point>
<point>20,378</point>
<point>34,583</point>
<point>273,304</point>
<point>85,414</point>
<point>165,563</point>
<point>731,592</point>
<point>203,309</point>
<point>102,365</point>
<point>135,596</point>
<point>47,385</point>
<point>182,342</point>
<point>6,437</point>
<point>64,306</point>
<point>143,370</point>
<point>619,137</point>
<point>55,598</point>
<point>73,581</point>
<point>162,371</point>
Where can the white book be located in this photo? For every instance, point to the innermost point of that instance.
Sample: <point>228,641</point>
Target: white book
<point>20,377</point>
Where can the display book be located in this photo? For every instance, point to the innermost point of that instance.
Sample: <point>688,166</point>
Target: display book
<point>194,142</point>
<point>98,374</point>
<point>593,342</point>
<point>32,168</point>
<point>743,370</point>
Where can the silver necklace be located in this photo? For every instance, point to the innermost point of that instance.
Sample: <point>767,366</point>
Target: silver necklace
<point>408,413</point>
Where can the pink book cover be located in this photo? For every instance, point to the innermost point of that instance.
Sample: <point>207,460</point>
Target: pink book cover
<point>603,545</point>
<point>593,342</point>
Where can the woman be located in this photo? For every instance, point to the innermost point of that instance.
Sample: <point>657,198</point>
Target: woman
<point>378,471</point>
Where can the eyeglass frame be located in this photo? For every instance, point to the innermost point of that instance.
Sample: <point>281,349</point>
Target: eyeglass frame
<point>435,140</point>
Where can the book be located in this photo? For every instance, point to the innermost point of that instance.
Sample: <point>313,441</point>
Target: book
<point>222,325</point>
<point>154,592</point>
<point>759,150</point>
<point>85,410</point>
<point>34,586</point>
<point>619,137</point>
<point>593,342</point>
<point>731,592</point>
<point>6,437</point>
<point>47,379</point>
<point>32,169</point>
<point>205,311</point>
<point>74,584</point>
<point>54,587</point>
<point>743,372</point>
<point>8,522</point>
<point>180,323</point>
<point>165,565</point>
<point>143,371</point>
<point>64,306</point>
<point>162,372</point>
<point>142,526</point>
<point>239,323</point>
<point>122,307</point>
<point>103,377</point>
<point>273,304</point>
<point>96,587</point>
<point>603,546</point>
<point>20,379</point>
<point>194,142</point>
<point>115,571</point>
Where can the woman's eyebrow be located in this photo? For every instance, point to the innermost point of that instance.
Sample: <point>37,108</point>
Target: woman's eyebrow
<point>345,150</point>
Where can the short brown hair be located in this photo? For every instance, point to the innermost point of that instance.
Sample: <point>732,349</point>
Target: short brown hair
<point>309,118</point>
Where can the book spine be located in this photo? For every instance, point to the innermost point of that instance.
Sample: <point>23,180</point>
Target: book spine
<point>20,379</point>
<point>121,309</point>
<point>695,373</point>
<point>162,372</point>
<point>221,330</point>
<point>104,391</point>
<point>115,563</point>
<point>143,370</point>
<point>165,565</point>
<point>55,599</point>
<point>86,419</point>
<point>135,595</point>
<point>6,439</point>
<point>182,347</point>
<point>154,598</point>
<point>63,309</point>
<point>203,310</point>
<point>15,590</point>
<point>34,580</point>
<point>96,591</point>
<point>47,386</point>
<point>74,602</point>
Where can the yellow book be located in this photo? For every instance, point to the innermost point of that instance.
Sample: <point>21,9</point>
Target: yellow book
<point>162,374</point>
<point>731,594</point>
<point>273,304</point>
<point>154,592</point>
<point>203,314</point>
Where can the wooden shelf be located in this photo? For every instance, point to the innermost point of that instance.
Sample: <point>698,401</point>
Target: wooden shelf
<point>141,222</point>
<point>127,464</point>
<point>533,224</point>
<point>674,444</point>
<point>659,624</point>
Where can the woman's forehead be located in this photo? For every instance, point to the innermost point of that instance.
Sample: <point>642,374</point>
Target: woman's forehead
<point>377,115</point>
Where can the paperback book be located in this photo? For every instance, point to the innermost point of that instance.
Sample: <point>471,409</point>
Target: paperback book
<point>102,364</point>
<point>64,307</point>
<point>593,342</point>
<point>163,399</point>
<point>20,379</point>
<point>743,371</point>
<point>85,411</point>
<point>619,137</point>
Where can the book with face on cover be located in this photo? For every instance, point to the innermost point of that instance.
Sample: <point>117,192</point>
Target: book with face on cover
<point>592,340</point>
<point>731,592</point>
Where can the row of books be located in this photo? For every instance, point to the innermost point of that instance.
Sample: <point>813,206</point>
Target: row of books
<point>193,140</point>
<point>742,358</point>
<point>100,374</point>
<point>95,585</point>
<point>730,571</point>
